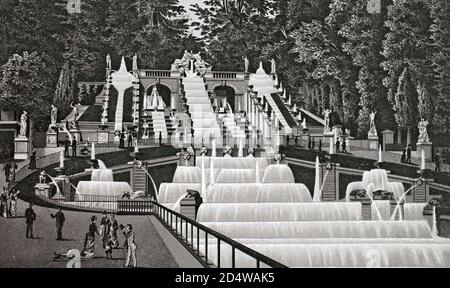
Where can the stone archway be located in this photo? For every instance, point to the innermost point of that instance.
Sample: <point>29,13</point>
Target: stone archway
<point>225,95</point>
<point>163,90</point>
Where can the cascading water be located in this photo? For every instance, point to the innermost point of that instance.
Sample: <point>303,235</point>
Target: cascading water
<point>413,211</point>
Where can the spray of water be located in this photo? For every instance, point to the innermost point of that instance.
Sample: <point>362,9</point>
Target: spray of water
<point>176,206</point>
<point>399,200</point>
<point>58,191</point>
<point>369,194</point>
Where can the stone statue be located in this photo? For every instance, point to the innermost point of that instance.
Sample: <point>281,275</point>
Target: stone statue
<point>423,133</point>
<point>23,124</point>
<point>154,101</point>
<point>326,115</point>
<point>53,116</point>
<point>76,111</point>
<point>108,62</point>
<point>246,64</point>
<point>273,66</point>
<point>373,129</point>
<point>135,67</point>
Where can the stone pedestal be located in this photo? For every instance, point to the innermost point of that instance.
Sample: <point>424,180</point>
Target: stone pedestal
<point>52,139</point>
<point>337,131</point>
<point>187,207</point>
<point>64,187</point>
<point>76,134</point>
<point>42,190</point>
<point>21,148</point>
<point>427,147</point>
<point>102,136</point>
<point>388,138</point>
<point>329,138</point>
<point>373,142</point>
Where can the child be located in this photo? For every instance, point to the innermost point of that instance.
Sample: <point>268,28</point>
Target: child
<point>108,243</point>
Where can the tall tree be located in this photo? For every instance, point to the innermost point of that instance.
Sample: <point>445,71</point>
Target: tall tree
<point>440,12</point>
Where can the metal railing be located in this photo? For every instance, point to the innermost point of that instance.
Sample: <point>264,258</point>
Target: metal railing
<point>184,229</point>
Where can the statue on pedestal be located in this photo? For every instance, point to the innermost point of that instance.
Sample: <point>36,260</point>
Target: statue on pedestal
<point>246,64</point>
<point>53,116</point>
<point>373,129</point>
<point>135,67</point>
<point>273,69</point>
<point>154,100</point>
<point>23,124</point>
<point>423,133</point>
<point>326,115</point>
<point>108,62</point>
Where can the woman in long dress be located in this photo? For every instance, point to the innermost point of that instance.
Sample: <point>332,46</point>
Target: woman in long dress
<point>13,203</point>
<point>4,203</point>
<point>89,240</point>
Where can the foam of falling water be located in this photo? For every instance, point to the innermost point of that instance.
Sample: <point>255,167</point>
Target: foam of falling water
<point>104,175</point>
<point>413,211</point>
<point>153,183</point>
<point>278,173</point>
<point>102,188</point>
<point>235,163</point>
<point>369,194</point>
<point>383,207</point>
<point>186,174</point>
<point>342,255</point>
<point>236,176</point>
<point>434,230</point>
<point>276,212</point>
<point>170,192</point>
<point>322,229</point>
<point>257,193</point>
<point>317,190</point>
<point>101,164</point>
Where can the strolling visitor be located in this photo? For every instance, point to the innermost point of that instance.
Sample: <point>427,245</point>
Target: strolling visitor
<point>114,226</point>
<point>89,240</point>
<point>7,170</point>
<point>12,176</point>
<point>160,138</point>
<point>4,203</point>
<point>130,140</point>
<point>74,147</point>
<point>59,217</point>
<point>13,202</point>
<point>130,245</point>
<point>408,154</point>
<point>30,217</point>
<point>338,144</point>
<point>121,140</point>
<point>104,226</point>
<point>403,158</point>
<point>344,146</point>
<point>66,147</point>
<point>32,164</point>
<point>437,162</point>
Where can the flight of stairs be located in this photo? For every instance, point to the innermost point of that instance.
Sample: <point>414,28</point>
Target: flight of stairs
<point>139,179</point>
<point>232,128</point>
<point>159,124</point>
<point>203,117</point>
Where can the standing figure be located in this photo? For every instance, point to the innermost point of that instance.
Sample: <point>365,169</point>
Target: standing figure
<point>13,202</point>
<point>89,240</point>
<point>32,164</point>
<point>121,140</point>
<point>108,62</point>
<point>7,170</point>
<point>113,227</point>
<point>160,138</point>
<point>59,217</point>
<point>76,112</point>
<point>135,67</point>
<point>408,154</point>
<point>338,143</point>
<point>74,147</point>
<point>53,116</point>
<point>437,162</point>
<point>273,69</point>
<point>246,63</point>
<point>104,225</point>
<point>423,133</point>
<point>130,245</point>
<point>130,140</point>
<point>23,124</point>
<point>4,203</point>
<point>30,217</point>
<point>326,115</point>
<point>344,145</point>
<point>12,176</point>
<point>66,147</point>
<point>373,129</point>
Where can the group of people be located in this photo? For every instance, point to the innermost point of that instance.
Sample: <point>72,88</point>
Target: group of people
<point>406,155</point>
<point>8,202</point>
<point>341,146</point>
<point>108,235</point>
<point>70,144</point>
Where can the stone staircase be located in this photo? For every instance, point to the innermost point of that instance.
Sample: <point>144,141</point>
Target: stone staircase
<point>234,130</point>
<point>204,119</point>
<point>159,124</point>
<point>139,179</point>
